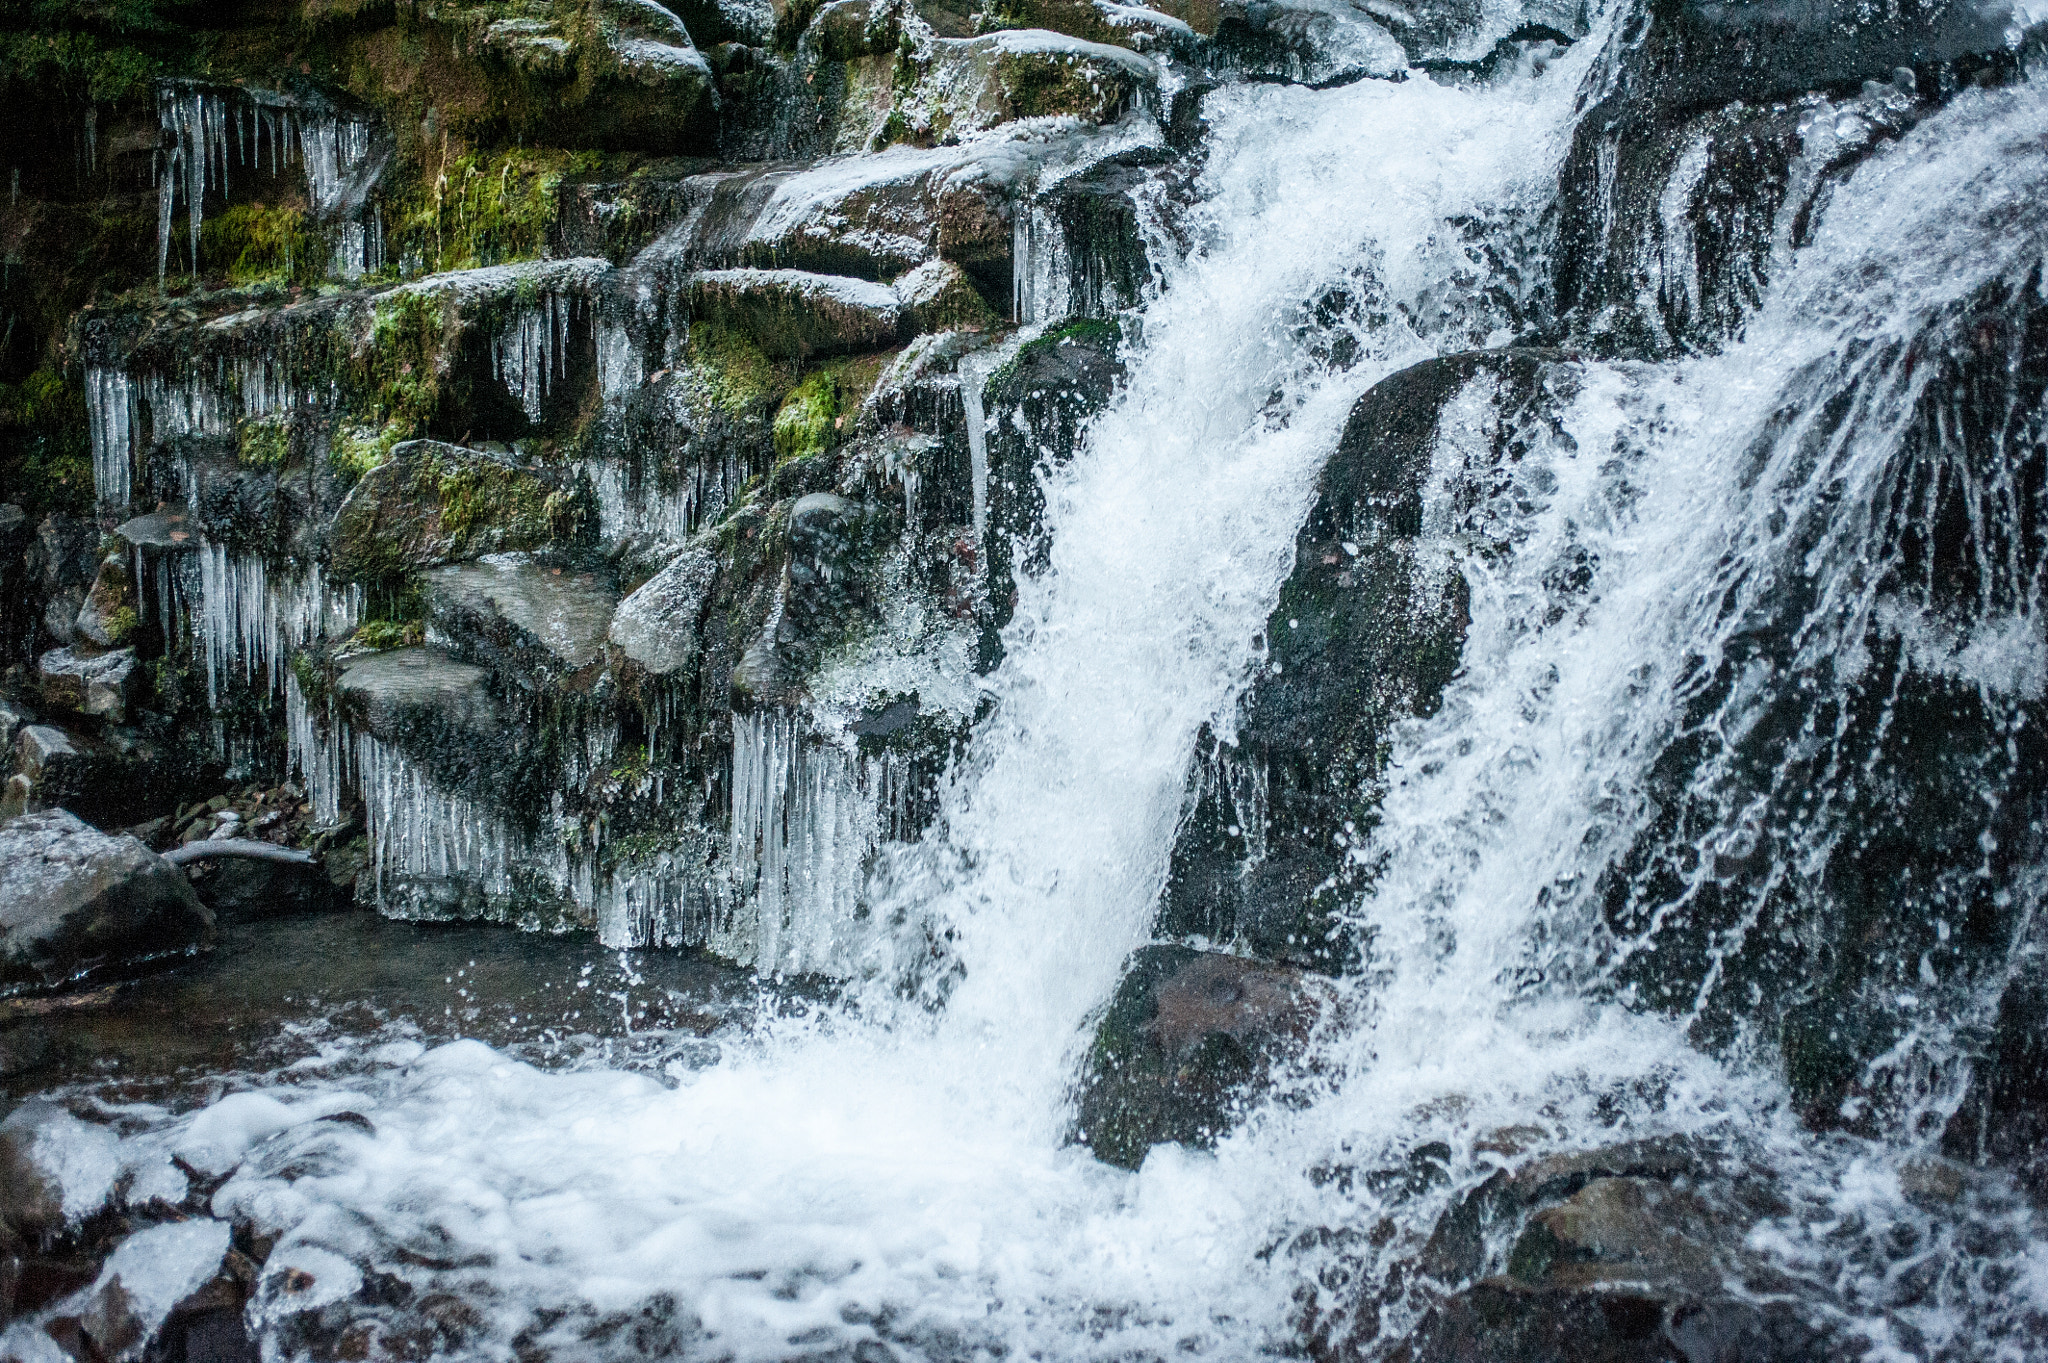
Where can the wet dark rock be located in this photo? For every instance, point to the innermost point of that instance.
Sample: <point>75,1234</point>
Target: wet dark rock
<point>112,781</point>
<point>656,627</point>
<point>1035,407</point>
<point>1895,919</point>
<point>75,901</point>
<point>828,595</point>
<point>434,503</point>
<point>86,679</point>
<point>243,887</point>
<point>2003,1119</point>
<point>1190,1038</point>
<point>1367,634</point>
<point>524,614</point>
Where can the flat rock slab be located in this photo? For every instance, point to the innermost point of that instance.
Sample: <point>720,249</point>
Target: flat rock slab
<point>516,601</point>
<point>169,531</point>
<point>74,900</point>
<point>793,314</point>
<point>392,691</point>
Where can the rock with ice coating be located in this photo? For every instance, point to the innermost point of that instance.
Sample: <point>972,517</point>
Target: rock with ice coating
<point>1367,633</point>
<point>437,503</point>
<point>55,1170</point>
<point>1631,1252</point>
<point>75,900</point>
<point>90,680</point>
<point>147,1276</point>
<point>657,626</point>
<point>522,611</point>
<point>792,314</point>
<point>938,296</point>
<point>1187,1040</point>
<point>402,690</point>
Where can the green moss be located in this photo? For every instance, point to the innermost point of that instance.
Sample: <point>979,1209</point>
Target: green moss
<point>121,625</point>
<point>45,458</point>
<point>475,208</point>
<point>358,449</point>
<point>265,443</point>
<point>400,367</point>
<point>101,51</point>
<point>386,634</point>
<point>804,422</point>
<point>261,244</point>
<point>730,368</point>
<point>1042,86</point>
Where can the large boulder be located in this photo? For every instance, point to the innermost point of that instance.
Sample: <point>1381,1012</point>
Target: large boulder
<point>74,900</point>
<point>1367,633</point>
<point>436,503</point>
<point>520,613</point>
<point>657,626</point>
<point>1189,1039</point>
<point>89,680</point>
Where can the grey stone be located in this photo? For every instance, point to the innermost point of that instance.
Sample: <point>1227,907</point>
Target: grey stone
<point>1189,1038</point>
<point>170,530</point>
<point>93,683</point>
<point>109,615</point>
<point>434,503</point>
<point>14,716</point>
<point>75,901</point>
<point>393,691</point>
<point>517,603</point>
<point>657,626</point>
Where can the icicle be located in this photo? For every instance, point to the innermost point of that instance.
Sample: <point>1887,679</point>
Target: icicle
<point>110,421</point>
<point>805,818</point>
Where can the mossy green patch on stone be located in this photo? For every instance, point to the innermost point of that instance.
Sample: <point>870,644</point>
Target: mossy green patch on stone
<point>45,460</point>
<point>259,243</point>
<point>804,422</point>
<point>380,635</point>
<point>730,369</point>
<point>265,443</point>
<point>482,208</point>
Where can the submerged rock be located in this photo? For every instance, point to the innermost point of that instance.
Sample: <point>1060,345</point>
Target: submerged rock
<point>1189,1039</point>
<point>75,901</point>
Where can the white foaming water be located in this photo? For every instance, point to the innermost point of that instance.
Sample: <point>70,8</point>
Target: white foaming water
<point>850,1180</point>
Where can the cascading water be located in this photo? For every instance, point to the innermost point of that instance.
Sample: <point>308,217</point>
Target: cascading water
<point>1678,559</point>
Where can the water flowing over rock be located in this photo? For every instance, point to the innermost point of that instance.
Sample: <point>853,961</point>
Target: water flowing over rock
<point>1353,681</point>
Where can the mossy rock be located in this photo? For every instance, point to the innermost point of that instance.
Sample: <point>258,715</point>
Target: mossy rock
<point>437,503</point>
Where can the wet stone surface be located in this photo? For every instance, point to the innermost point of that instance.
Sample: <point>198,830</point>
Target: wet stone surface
<point>280,992</point>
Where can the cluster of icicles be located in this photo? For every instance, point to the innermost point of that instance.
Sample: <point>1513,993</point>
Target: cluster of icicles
<point>207,129</point>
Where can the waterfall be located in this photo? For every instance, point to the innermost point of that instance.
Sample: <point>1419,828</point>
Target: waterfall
<point>1705,595</point>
